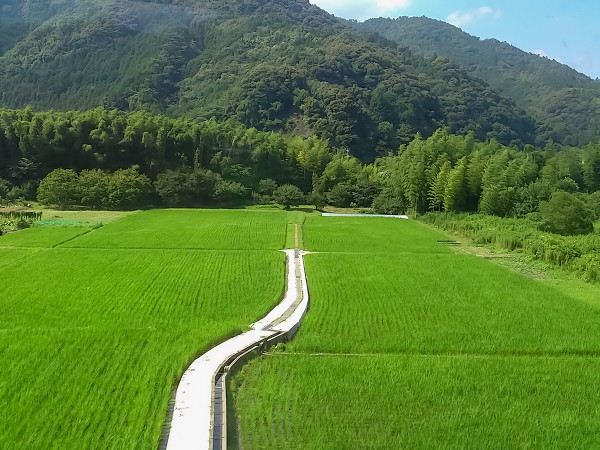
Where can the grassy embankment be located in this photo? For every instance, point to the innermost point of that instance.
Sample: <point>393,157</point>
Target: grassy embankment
<point>411,345</point>
<point>94,332</point>
<point>579,255</point>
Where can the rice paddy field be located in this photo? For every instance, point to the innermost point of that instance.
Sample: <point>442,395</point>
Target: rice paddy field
<point>410,345</point>
<point>191,229</point>
<point>95,332</point>
<point>42,237</point>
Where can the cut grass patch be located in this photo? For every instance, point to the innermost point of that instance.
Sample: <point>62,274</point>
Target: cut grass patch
<point>104,217</point>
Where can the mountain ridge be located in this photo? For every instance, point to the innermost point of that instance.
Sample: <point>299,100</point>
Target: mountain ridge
<point>545,88</point>
<point>274,65</point>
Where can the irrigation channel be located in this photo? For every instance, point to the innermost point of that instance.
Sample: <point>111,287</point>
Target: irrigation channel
<point>199,416</point>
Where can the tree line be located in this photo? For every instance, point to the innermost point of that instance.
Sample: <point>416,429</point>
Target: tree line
<point>110,159</point>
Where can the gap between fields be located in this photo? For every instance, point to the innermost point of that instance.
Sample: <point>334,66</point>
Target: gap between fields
<point>483,355</point>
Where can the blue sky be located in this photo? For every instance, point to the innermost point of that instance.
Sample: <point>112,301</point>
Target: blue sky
<point>565,30</point>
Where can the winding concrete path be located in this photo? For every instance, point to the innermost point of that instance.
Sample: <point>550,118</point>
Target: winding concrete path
<point>192,426</point>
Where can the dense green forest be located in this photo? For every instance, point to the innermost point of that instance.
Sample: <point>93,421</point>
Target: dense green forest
<point>564,102</point>
<point>277,65</point>
<point>192,162</point>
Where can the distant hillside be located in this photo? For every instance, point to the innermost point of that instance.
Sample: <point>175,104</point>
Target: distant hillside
<point>282,64</point>
<point>565,103</point>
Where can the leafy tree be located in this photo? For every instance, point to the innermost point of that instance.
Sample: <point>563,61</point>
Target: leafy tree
<point>93,185</point>
<point>4,188</point>
<point>288,195</point>
<point>591,167</point>
<point>565,214</point>
<point>390,201</point>
<point>227,191</point>
<point>437,191</point>
<point>340,195</point>
<point>317,199</point>
<point>267,187</point>
<point>60,188</point>
<point>455,194</point>
<point>172,186</point>
<point>185,187</point>
<point>128,189</point>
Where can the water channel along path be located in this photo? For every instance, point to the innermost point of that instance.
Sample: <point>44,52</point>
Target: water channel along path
<point>199,413</point>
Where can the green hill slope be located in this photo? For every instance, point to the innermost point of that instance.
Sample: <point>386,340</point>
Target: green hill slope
<point>283,65</point>
<point>564,102</point>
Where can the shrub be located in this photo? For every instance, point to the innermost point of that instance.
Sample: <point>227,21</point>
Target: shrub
<point>128,189</point>
<point>230,191</point>
<point>60,188</point>
<point>565,214</point>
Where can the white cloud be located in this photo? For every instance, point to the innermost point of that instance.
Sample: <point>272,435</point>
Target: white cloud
<point>459,18</point>
<point>540,53</point>
<point>361,9</point>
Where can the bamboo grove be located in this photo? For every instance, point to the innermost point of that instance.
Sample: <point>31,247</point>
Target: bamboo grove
<point>180,162</point>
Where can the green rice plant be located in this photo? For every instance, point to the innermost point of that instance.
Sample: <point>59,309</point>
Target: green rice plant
<point>93,340</point>
<point>42,237</point>
<point>191,229</point>
<point>12,255</point>
<point>424,348</point>
<point>370,235</point>
<point>418,401</point>
<point>438,303</point>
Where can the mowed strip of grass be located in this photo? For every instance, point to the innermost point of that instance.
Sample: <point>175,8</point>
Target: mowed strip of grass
<point>438,303</point>
<point>91,341</point>
<point>43,237</point>
<point>416,401</point>
<point>191,229</point>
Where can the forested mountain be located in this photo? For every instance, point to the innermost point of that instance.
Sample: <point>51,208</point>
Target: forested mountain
<point>564,102</point>
<point>274,65</point>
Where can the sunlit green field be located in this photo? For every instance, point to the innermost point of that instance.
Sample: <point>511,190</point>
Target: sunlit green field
<point>437,303</point>
<point>92,340</point>
<point>45,237</point>
<point>369,235</point>
<point>410,345</point>
<point>399,401</point>
<point>192,229</point>
<point>11,255</point>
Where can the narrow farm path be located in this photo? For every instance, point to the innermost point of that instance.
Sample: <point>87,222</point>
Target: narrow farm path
<point>199,416</point>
